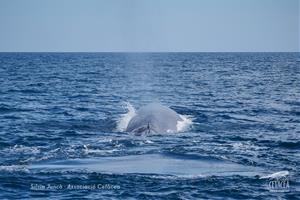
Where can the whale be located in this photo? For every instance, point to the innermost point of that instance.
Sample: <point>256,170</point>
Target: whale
<point>154,118</point>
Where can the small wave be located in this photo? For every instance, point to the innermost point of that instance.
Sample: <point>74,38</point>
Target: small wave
<point>174,177</point>
<point>246,146</point>
<point>4,108</point>
<point>23,149</point>
<point>89,150</point>
<point>14,168</point>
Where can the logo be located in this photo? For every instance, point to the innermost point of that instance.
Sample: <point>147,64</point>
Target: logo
<point>280,184</point>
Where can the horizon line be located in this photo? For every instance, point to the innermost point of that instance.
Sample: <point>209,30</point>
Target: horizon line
<point>149,51</point>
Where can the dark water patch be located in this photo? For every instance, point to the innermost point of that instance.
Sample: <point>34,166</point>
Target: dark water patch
<point>4,108</point>
<point>36,84</point>
<point>100,125</point>
<point>10,109</point>
<point>289,145</point>
<point>82,109</point>
<point>295,112</point>
<point>280,144</point>
<point>26,91</point>
<point>14,117</point>
<point>240,138</point>
<point>3,144</point>
<point>39,139</point>
<point>294,103</point>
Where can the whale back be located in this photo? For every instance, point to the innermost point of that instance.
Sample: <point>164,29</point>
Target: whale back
<point>154,118</point>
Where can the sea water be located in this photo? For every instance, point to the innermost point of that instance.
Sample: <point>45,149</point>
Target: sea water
<point>63,116</point>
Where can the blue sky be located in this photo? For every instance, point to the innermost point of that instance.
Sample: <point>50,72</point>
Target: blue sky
<point>149,25</point>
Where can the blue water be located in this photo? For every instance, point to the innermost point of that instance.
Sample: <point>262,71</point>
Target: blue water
<point>60,113</point>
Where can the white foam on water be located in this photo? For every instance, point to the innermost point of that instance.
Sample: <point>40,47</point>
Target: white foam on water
<point>14,168</point>
<point>185,123</point>
<point>88,150</point>
<point>125,118</point>
<point>23,149</point>
<point>276,175</point>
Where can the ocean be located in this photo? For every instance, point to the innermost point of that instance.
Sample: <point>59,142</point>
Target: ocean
<point>63,118</point>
